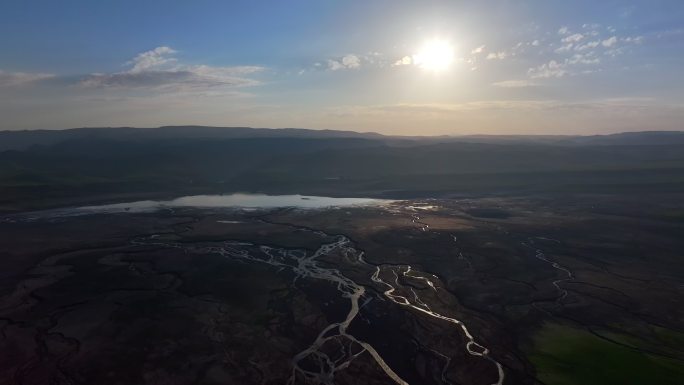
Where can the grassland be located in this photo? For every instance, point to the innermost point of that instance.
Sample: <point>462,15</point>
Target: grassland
<point>564,355</point>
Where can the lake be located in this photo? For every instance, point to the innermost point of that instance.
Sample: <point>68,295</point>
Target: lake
<point>240,201</point>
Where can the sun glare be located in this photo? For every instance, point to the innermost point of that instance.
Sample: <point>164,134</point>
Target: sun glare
<point>435,55</point>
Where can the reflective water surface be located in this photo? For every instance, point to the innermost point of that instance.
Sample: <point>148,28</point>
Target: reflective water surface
<point>244,201</point>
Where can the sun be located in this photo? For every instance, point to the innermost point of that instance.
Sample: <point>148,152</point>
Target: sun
<point>435,55</point>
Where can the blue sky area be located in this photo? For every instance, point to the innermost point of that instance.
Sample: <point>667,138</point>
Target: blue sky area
<point>396,67</point>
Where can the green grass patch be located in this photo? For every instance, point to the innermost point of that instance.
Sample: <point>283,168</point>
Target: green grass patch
<point>674,215</point>
<point>566,356</point>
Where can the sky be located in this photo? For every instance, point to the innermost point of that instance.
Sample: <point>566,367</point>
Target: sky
<point>390,66</point>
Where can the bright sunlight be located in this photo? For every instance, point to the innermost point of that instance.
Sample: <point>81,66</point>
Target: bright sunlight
<point>435,55</point>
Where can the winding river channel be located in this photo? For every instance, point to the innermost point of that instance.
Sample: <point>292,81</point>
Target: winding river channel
<point>315,363</point>
<point>305,265</point>
<point>539,254</point>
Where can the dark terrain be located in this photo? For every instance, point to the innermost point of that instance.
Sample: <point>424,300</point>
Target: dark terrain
<point>41,169</point>
<point>557,260</point>
<point>179,297</point>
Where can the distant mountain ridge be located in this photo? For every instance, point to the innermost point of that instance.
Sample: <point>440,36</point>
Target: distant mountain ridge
<point>52,168</point>
<point>20,140</point>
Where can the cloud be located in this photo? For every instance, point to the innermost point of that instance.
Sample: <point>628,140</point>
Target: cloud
<point>576,50</point>
<point>406,60</point>
<point>574,38</point>
<point>514,84</point>
<point>334,65</point>
<point>611,41</point>
<point>16,79</point>
<point>569,42</point>
<point>583,59</point>
<point>552,69</point>
<point>157,69</point>
<point>478,50</point>
<point>565,48</point>
<point>567,66</point>
<point>497,55</point>
<point>346,62</point>
<point>633,39</point>
<point>191,77</point>
<point>588,45</point>
<point>351,61</point>
<point>153,58</point>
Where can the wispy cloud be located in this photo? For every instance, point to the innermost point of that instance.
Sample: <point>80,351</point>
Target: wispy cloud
<point>404,61</point>
<point>478,50</point>
<point>574,38</point>
<point>576,53</point>
<point>16,79</point>
<point>153,58</point>
<point>346,62</point>
<point>159,69</point>
<point>611,41</point>
<point>497,55</point>
<point>552,69</point>
<point>588,45</point>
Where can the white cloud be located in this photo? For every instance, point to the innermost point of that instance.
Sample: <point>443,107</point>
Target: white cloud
<point>574,38</point>
<point>478,50</point>
<point>351,61</point>
<point>552,69</point>
<point>14,79</point>
<point>157,69</point>
<point>153,58</point>
<point>588,45</point>
<point>583,59</point>
<point>634,39</point>
<point>406,60</point>
<point>497,55</point>
<point>334,65</point>
<point>591,29</point>
<point>535,43</point>
<point>609,42</point>
<point>183,79</point>
<point>565,48</point>
<point>582,49</point>
<point>346,62</point>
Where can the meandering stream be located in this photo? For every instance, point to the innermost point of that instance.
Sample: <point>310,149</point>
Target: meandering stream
<point>314,363</point>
